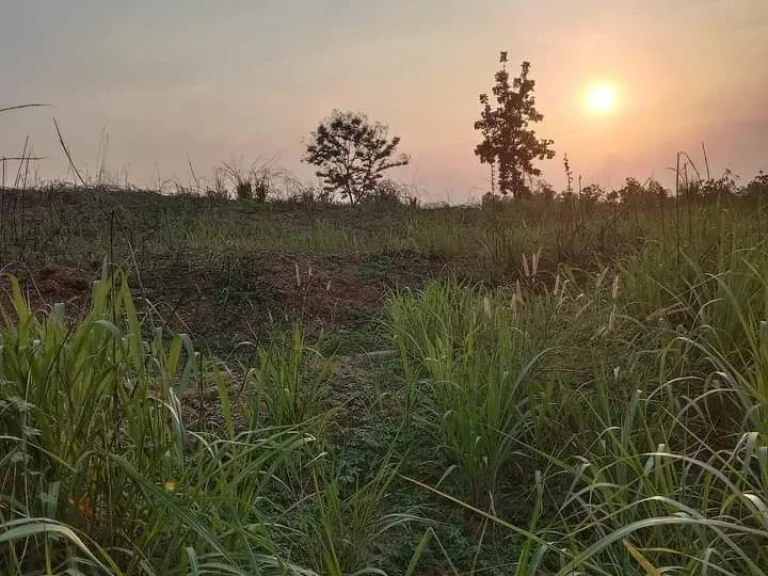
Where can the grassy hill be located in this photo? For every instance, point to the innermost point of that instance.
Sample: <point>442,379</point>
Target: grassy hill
<point>194,385</point>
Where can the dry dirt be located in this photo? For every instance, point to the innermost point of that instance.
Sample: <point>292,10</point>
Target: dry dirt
<point>224,302</point>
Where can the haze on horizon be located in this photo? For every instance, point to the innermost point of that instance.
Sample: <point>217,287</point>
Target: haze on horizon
<point>206,82</point>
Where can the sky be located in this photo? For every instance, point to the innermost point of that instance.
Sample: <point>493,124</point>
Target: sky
<point>181,82</point>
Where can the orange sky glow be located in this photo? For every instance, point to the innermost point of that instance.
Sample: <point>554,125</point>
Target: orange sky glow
<point>206,82</point>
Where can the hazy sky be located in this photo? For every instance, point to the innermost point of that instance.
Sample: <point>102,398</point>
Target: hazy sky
<point>219,80</point>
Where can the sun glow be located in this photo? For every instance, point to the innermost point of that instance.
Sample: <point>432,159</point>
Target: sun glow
<point>601,98</point>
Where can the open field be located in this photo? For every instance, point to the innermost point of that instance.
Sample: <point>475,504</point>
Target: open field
<point>192,385</point>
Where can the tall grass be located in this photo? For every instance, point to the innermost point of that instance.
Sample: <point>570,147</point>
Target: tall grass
<point>346,524</point>
<point>290,383</point>
<point>657,461</point>
<point>477,365</point>
<point>102,471</point>
<point>604,419</point>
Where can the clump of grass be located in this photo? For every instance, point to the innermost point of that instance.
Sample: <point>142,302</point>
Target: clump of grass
<point>99,471</point>
<point>477,363</point>
<point>290,383</point>
<point>346,524</point>
<point>646,482</point>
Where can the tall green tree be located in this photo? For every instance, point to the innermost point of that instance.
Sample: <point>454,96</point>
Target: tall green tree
<point>509,143</point>
<point>352,154</point>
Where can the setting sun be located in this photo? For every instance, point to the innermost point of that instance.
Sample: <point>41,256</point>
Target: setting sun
<point>601,98</point>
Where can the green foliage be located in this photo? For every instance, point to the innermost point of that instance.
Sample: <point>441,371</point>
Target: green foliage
<point>345,526</point>
<point>597,405</point>
<point>476,359</point>
<point>290,382</point>
<point>638,459</point>
<point>95,450</point>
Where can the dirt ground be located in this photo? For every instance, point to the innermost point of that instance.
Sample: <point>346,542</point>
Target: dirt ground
<point>223,303</point>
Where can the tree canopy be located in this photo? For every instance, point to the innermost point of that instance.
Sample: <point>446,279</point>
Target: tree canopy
<point>509,143</point>
<point>352,154</point>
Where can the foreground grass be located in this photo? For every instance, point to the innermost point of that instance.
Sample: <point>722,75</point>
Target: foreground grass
<point>599,419</point>
<point>648,446</point>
